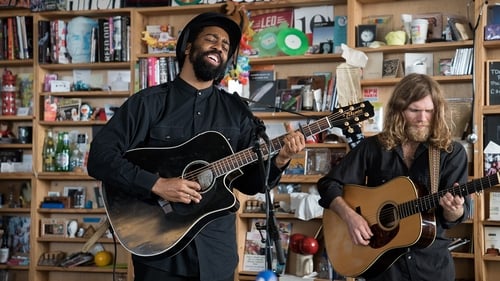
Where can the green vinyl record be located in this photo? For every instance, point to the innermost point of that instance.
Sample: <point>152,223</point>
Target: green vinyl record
<point>292,42</point>
<point>265,41</point>
<point>187,2</point>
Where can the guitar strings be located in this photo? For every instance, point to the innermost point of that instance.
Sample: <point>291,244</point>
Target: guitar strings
<point>427,202</point>
<point>247,156</point>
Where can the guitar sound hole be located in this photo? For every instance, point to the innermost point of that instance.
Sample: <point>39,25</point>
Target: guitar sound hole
<point>199,171</point>
<point>388,216</point>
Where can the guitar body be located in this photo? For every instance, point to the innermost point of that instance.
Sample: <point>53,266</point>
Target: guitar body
<point>392,233</point>
<point>148,227</point>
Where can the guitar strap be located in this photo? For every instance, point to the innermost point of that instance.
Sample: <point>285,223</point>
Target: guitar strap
<point>434,168</point>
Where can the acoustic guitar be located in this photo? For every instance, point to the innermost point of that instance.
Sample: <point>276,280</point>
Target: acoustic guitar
<point>400,215</point>
<point>151,226</point>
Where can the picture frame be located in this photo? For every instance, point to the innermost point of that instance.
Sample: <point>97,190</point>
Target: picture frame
<point>390,68</point>
<point>76,195</point>
<point>53,227</point>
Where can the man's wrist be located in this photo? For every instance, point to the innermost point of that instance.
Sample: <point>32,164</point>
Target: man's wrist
<point>280,161</point>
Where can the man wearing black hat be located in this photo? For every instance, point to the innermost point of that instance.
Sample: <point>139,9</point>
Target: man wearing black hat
<point>169,115</point>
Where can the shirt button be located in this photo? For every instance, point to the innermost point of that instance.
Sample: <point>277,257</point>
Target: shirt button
<point>198,113</point>
<point>409,257</point>
<point>199,93</point>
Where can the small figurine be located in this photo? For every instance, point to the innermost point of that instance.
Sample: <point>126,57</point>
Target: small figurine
<point>5,130</point>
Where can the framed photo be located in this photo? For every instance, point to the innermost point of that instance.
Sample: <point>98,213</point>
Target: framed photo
<point>390,68</point>
<point>326,47</point>
<point>76,195</point>
<point>53,227</point>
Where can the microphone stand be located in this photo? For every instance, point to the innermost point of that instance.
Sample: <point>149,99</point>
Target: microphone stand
<point>272,231</point>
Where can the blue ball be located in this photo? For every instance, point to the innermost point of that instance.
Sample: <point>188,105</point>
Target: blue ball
<point>266,275</point>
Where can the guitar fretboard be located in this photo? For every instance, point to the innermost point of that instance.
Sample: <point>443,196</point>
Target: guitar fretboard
<point>430,201</point>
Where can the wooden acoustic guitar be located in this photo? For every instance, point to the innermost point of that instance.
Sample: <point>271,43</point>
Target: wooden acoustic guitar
<point>150,226</point>
<point>400,215</point>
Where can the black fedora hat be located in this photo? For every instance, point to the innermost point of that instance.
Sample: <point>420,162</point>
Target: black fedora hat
<point>193,27</point>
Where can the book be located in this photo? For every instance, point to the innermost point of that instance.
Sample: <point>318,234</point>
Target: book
<point>58,41</point>
<point>19,228</point>
<point>375,124</point>
<point>262,86</point>
<point>391,68</point>
<point>306,17</point>
<point>68,109</point>
<point>117,38</point>
<point>322,35</point>
<point>339,33</point>
<point>374,66</point>
<point>254,254</point>
<point>460,27</point>
<point>104,42</point>
<point>161,35</point>
<point>264,19</point>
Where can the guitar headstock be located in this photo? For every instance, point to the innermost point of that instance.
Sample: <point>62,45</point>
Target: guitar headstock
<point>345,117</point>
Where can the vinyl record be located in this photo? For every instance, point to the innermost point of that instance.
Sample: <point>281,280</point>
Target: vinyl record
<point>292,42</point>
<point>187,2</point>
<point>265,41</point>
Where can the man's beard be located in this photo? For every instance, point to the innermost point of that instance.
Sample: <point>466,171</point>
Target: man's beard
<point>418,134</point>
<point>204,70</point>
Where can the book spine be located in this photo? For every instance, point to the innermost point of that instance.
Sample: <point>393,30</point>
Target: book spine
<point>117,38</point>
<point>53,41</point>
<point>44,41</point>
<point>10,39</point>
<point>152,71</point>
<point>172,68</point>
<point>111,39</point>
<point>61,42</point>
<point>125,23</point>
<point>104,41</point>
<point>163,69</point>
<point>28,22</point>
<point>2,39</point>
<point>19,37</point>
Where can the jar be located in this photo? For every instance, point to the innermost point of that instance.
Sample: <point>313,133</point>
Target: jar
<point>8,93</point>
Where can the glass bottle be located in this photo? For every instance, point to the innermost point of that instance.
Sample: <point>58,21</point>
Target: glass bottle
<point>59,145</point>
<point>49,152</point>
<point>307,98</point>
<point>63,152</point>
<point>4,249</point>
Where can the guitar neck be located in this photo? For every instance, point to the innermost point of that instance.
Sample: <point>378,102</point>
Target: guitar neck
<point>342,117</point>
<point>430,201</point>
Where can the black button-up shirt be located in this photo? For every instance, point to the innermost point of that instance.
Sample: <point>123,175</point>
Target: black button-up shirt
<point>169,115</point>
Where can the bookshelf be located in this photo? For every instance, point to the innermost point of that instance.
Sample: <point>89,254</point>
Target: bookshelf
<point>470,266</point>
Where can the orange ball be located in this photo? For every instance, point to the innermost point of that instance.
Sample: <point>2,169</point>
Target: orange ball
<point>103,258</point>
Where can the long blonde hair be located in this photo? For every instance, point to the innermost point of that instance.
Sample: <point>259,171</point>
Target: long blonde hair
<point>411,88</point>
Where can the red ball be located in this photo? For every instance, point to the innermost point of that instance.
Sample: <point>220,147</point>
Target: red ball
<point>295,241</point>
<point>308,246</point>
